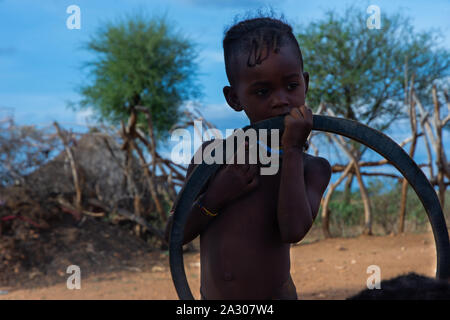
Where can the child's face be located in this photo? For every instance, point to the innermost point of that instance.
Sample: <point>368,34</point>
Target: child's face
<point>271,88</point>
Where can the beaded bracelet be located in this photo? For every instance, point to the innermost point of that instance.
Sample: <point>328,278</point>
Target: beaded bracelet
<point>204,210</point>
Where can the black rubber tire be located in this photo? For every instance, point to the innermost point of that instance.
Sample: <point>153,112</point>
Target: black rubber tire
<point>373,139</point>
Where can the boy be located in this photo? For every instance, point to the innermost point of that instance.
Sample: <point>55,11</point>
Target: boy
<point>246,221</point>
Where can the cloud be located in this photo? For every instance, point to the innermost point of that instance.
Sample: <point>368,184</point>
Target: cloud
<point>213,112</point>
<point>212,55</point>
<point>84,117</point>
<point>217,112</point>
<point>40,109</point>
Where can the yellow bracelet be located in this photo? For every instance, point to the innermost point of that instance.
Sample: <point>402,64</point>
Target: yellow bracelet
<point>209,213</point>
<point>204,210</point>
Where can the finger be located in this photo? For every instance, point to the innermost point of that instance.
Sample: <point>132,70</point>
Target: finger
<point>303,111</point>
<point>295,113</point>
<point>308,113</point>
<point>253,184</point>
<point>244,167</point>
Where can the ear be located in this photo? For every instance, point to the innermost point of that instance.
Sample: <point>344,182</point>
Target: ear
<point>232,98</point>
<point>306,77</point>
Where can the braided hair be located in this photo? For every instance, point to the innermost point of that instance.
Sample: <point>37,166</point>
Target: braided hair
<point>253,36</point>
<point>256,37</point>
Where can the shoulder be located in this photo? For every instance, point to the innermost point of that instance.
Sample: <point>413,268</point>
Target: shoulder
<point>317,167</point>
<point>316,162</point>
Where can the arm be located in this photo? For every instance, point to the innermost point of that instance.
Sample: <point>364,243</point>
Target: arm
<point>303,180</point>
<point>317,177</point>
<point>197,220</point>
<point>294,210</point>
<point>229,183</point>
<point>300,194</point>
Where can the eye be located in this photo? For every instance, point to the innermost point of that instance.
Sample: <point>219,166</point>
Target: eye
<point>261,92</point>
<point>292,85</point>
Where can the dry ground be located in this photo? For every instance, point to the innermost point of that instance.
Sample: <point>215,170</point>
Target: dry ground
<point>326,269</point>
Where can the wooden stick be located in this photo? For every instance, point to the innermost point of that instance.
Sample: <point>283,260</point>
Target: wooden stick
<point>73,166</point>
<point>326,201</point>
<point>364,195</point>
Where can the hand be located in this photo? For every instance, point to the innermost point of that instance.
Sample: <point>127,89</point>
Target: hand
<point>231,182</point>
<point>297,127</point>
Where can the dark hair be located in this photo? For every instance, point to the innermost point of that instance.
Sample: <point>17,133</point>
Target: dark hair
<point>251,36</point>
<point>408,287</point>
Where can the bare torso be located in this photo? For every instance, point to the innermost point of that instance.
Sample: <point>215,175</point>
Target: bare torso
<point>242,255</point>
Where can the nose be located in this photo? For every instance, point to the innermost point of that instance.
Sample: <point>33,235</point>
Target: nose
<point>279,100</point>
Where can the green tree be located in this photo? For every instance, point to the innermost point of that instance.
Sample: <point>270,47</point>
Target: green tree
<point>140,61</point>
<point>360,72</point>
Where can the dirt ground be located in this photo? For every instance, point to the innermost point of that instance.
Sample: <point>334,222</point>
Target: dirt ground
<point>326,269</point>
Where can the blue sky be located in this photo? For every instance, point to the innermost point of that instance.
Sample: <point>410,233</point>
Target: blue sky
<point>40,57</point>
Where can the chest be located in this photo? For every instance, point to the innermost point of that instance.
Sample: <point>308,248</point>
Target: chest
<point>264,198</point>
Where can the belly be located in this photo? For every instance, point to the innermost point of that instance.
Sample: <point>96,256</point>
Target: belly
<point>242,255</point>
